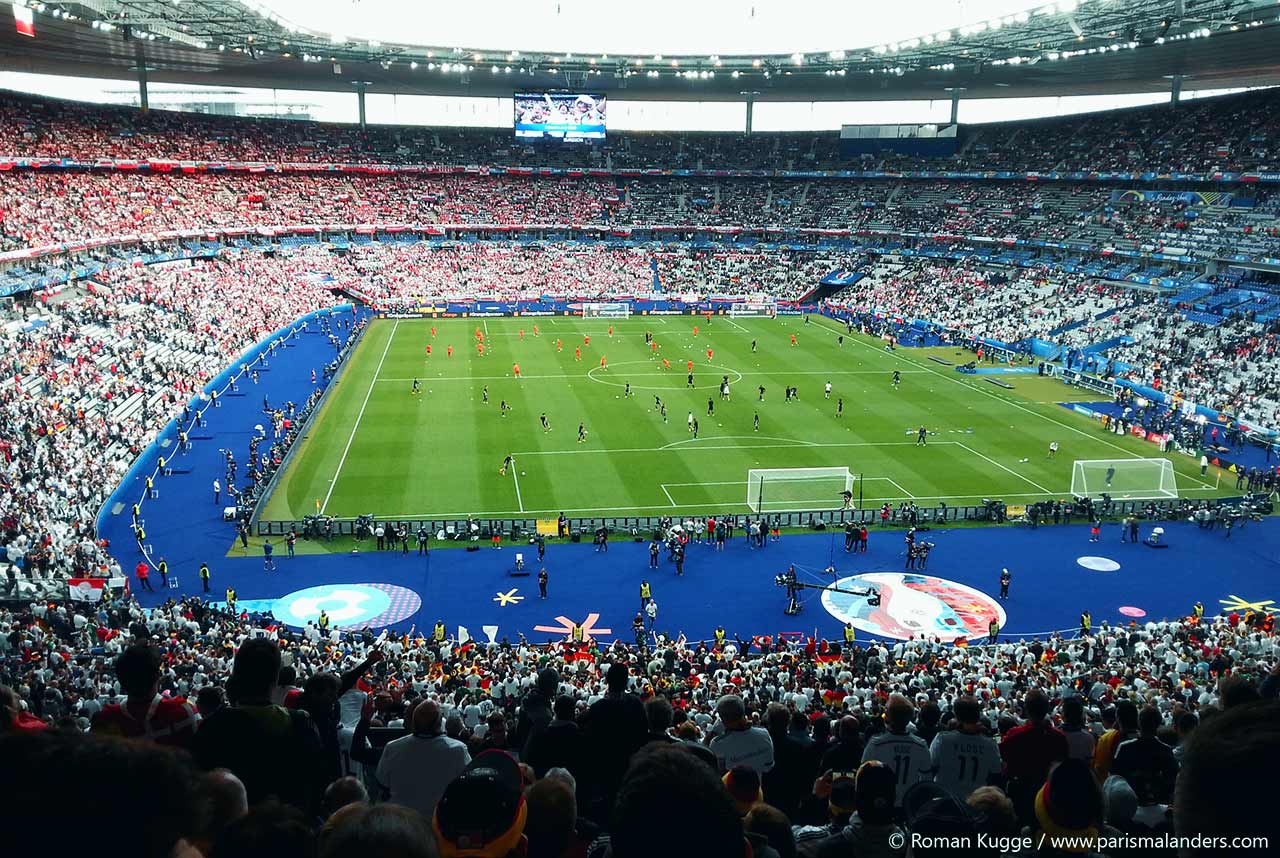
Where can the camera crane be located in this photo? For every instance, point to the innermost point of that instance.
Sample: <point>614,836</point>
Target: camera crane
<point>788,580</point>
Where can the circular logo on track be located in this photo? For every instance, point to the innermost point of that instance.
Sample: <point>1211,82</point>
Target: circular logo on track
<point>348,605</point>
<point>1098,564</point>
<point>913,605</point>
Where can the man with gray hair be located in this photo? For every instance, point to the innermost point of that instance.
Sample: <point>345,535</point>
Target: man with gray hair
<point>415,769</point>
<point>735,742</point>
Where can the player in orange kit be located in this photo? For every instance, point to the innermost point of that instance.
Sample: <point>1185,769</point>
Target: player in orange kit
<point>450,351</point>
<point>428,349</point>
<point>604,363</point>
<point>515,369</point>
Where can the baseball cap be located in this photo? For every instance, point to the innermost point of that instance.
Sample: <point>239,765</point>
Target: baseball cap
<point>482,812</point>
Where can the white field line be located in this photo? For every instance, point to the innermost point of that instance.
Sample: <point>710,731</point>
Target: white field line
<point>359,416</point>
<point>668,494</point>
<point>1002,467</point>
<point>657,508</point>
<point>974,387</point>
<point>515,477</point>
<point>831,372</point>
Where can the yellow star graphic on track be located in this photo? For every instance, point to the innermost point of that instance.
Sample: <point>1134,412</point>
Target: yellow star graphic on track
<point>1235,603</point>
<point>508,598</point>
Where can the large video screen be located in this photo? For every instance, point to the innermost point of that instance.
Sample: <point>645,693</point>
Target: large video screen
<point>564,116</point>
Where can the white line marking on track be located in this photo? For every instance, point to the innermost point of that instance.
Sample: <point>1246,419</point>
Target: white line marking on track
<point>359,416</point>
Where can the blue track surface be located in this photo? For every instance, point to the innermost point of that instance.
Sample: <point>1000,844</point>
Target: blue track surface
<point>734,588</point>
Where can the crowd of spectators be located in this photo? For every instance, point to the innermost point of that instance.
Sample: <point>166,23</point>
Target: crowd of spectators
<point>89,378</point>
<point>1233,133</point>
<point>247,733</point>
<point>981,300</point>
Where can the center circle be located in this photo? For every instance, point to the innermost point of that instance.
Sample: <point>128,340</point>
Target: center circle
<point>674,372</point>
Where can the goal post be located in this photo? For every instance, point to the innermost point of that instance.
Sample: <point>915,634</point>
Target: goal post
<point>615,310</point>
<point>798,489</point>
<point>753,310</point>
<point>1124,479</point>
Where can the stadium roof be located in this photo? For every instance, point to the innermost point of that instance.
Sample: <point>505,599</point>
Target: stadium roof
<point>1071,46</point>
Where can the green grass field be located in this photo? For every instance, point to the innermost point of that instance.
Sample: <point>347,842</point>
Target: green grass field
<point>377,448</point>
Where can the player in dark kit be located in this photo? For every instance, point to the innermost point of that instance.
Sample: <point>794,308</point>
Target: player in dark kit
<point>582,433</point>
<point>839,407</point>
<point>689,383</point>
<point>546,424</point>
<point>417,388</point>
<point>897,378</point>
<point>922,437</point>
<point>711,408</point>
<point>506,463</point>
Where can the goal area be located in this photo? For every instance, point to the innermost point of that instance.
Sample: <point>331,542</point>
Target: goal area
<point>753,310</point>
<point>797,489</point>
<point>1124,479</point>
<point>606,311</point>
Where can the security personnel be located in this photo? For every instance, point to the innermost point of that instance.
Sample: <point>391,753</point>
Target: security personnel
<point>151,487</point>
<point>1197,610</point>
<point>1005,578</point>
<point>161,463</point>
<point>204,576</point>
<point>137,511</point>
<point>720,637</point>
<point>645,594</point>
<point>323,622</point>
<point>1086,623</point>
<point>231,599</point>
<point>849,634</point>
<point>163,569</point>
<point>438,635</point>
<point>993,629</point>
<point>140,534</point>
<point>578,634</point>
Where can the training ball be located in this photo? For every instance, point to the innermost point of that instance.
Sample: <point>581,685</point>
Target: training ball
<point>522,473</point>
<point>1024,460</point>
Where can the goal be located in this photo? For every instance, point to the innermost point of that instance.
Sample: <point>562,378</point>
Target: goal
<point>797,489</point>
<point>754,310</point>
<point>1124,479</point>
<point>606,311</point>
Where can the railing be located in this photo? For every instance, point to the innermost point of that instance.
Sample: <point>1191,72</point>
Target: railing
<point>645,526</point>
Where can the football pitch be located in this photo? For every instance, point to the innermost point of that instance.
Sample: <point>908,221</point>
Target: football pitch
<point>376,447</point>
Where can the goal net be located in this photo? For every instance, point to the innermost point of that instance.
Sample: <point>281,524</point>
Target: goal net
<point>797,489</point>
<point>607,311</point>
<point>755,310</point>
<point>1124,479</point>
